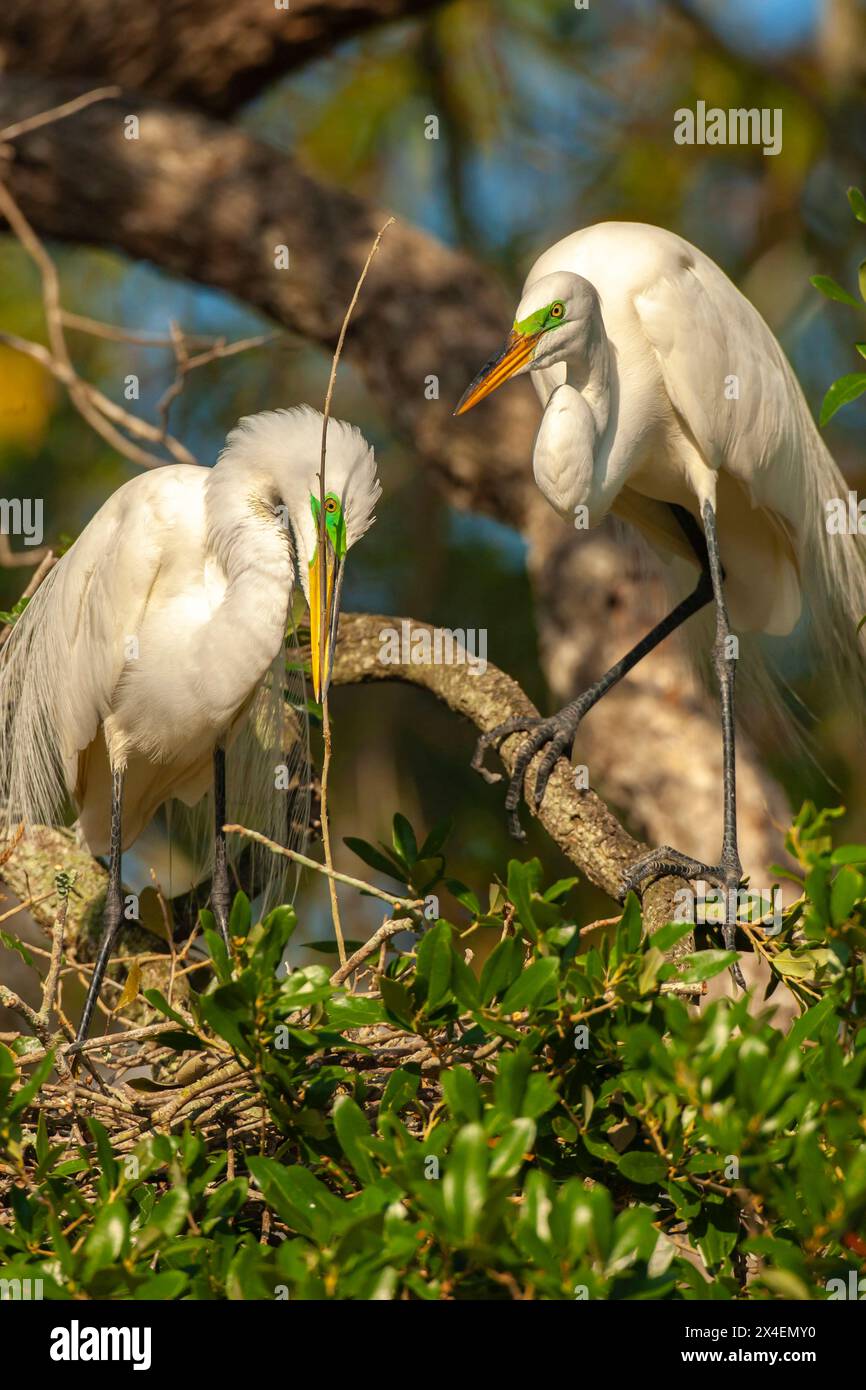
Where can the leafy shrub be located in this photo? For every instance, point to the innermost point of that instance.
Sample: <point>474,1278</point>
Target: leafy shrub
<point>562,1123</point>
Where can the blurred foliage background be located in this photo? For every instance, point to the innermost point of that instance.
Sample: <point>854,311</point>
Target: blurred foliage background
<point>550,117</point>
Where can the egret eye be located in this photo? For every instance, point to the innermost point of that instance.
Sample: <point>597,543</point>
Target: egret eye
<point>330,504</point>
<point>557,310</point>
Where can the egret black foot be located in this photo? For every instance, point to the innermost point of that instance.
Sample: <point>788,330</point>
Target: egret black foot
<point>556,733</point>
<point>670,863</point>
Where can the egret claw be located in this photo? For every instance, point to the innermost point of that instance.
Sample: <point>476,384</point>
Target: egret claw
<point>670,863</point>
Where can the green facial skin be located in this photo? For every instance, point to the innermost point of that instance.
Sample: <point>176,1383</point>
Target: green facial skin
<point>335,522</point>
<point>542,319</point>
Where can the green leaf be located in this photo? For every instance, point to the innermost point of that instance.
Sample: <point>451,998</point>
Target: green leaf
<point>462,1094</point>
<point>667,936</point>
<point>464,1188</point>
<point>828,287</point>
<point>106,1239</point>
<point>402,1087</point>
<point>849,854</point>
<point>13,944</point>
<point>355,1138</point>
<point>397,1001</point>
<point>501,968</point>
<point>842,392</point>
<point>512,1146</point>
<point>433,964</point>
<point>347,1011</point>
<point>166,1220</point>
<point>643,1168</point>
<point>304,987</point>
<point>219,955</point>
<point>240,916</point>
<point>560,889</point>
<point>523,881</point>
<point>703,965</point>
<point>375,859</point>
<point>226,1011</point>
<point>848,889</point>
<point>534,987</point>
<point>858,204</point>
<point>26,1093</point>
<point>436,839</point>
<point>162,1288</point>
<point>403,839</point>
<point>304,1203</point>
<point>106,1163</point>
<point>157,999</point>
<point>225,1203</point>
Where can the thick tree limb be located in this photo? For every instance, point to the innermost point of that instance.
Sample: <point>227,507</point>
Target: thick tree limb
<point>209,203</point>
<point>212,56</point>
<point>578,821</point>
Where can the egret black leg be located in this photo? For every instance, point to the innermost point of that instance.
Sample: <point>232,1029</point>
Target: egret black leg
<point>220,893</point>
<point>558,731</point>
<point>113,915</point>
<point>665,862</point>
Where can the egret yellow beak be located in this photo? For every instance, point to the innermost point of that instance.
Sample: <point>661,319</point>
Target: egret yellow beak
<point>326,582</point>
<point>514,355</point>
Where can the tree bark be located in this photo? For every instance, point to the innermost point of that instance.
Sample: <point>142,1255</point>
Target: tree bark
<point>578,821</point>
<point>209,203</point>
<point>213,56</point>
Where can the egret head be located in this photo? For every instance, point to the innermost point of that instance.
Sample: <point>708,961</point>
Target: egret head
<point>288,445</point>
<point>553,323</point>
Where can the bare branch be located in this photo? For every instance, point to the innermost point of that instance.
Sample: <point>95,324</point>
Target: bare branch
<point>57,113</point>
<point>580,823</point>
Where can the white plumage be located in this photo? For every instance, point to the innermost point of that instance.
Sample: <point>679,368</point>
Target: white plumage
<point>690,399</point>
<point>150,664</point>
<point>153,634</point>
<point>668,401</point>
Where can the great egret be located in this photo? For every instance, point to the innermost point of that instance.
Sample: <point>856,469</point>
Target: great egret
<point>668,401</point>
<point>156,644</point>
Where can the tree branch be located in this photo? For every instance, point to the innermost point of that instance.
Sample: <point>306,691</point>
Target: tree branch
<point>578,821</point>
<point>211,204</point>
<point>216,58</point>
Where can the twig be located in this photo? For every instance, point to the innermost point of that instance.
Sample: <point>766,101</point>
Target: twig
<point>410,903</point>
<point>19,559</point>
<point>58,113</point>
<point>384,933</point>
<point>81,323</point>
<point>79,390</point>
<point>326,716</point>
<point>52,978</point>
<point>186,364</point>
<point>49,560</point>
<point>10,1000</point>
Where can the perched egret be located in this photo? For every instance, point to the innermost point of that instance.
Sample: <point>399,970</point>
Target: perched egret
<point>669,402</point>
<point>156,644</point>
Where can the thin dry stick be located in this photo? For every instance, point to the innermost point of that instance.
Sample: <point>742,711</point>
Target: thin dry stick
<point>58,113</point>
<point>48,562</point>
<point>380,938</point>
<point>96,328</point>
<point>52,979</point>
<point>326,717</point>
<point>406,903</point>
